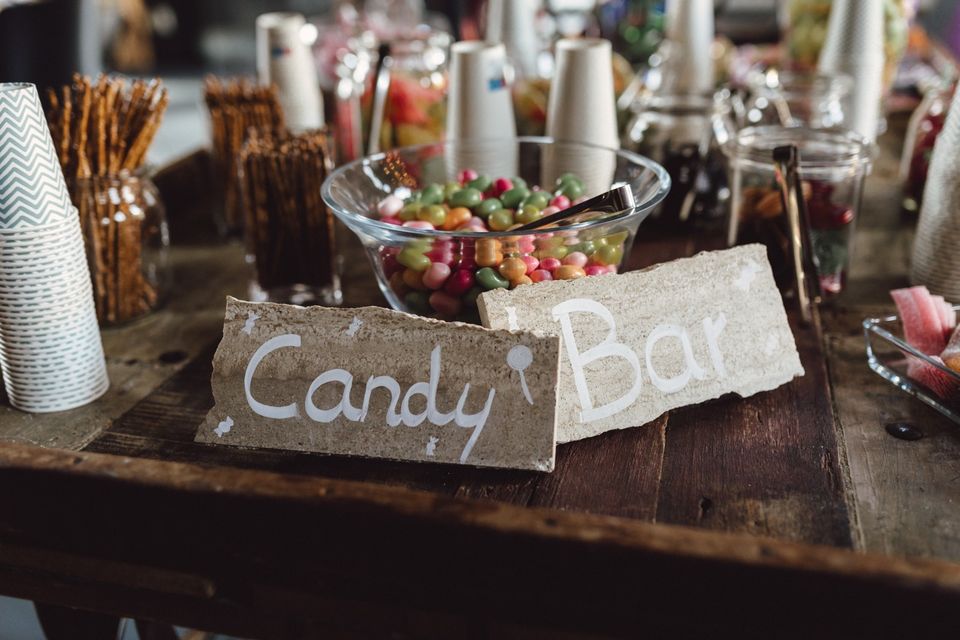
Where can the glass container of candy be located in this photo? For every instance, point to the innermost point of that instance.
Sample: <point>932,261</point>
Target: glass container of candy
<point>926,123</point>
<point>127,239</point>
<point>833,165</point>
<point>678,132</point>
<point>794,98</point>
<point>439,221</point>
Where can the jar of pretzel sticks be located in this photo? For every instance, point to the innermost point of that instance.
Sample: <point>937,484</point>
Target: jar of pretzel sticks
<point>125,230</point>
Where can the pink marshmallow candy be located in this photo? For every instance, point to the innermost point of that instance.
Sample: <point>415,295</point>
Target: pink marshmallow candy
<point>389,207</point>
<point>576,259</point>
<point>418,224</point>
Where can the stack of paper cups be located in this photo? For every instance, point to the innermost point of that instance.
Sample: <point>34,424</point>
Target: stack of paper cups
<point>936,248</point>
<point>689,67</point>
<point>284,59</point>
<point>50,350</point>
<point>513,23</point>
<point>854,46</point>
<point>582,108</point>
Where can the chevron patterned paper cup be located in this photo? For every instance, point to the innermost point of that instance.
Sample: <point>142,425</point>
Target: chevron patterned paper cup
<point>32,189</point>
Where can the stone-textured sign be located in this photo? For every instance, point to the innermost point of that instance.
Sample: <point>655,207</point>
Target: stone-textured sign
<point>639,344</point>
<point>376,382</point>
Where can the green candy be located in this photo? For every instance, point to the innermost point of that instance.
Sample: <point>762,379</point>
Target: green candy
<point>480,183</point>
<point>490,279</point>
<point>450,188</point>
<point>528,214</point>
<point>433,194</point>
<point>487,207</point>
<point>569,177</point>
<point>537,199</point>
<point>511,199</point>
<point>609,255</point>
<point>468,198</point>
<point>417,301</point>
<point>412,258</point>
<point>434,214</point>
<point>559,252</point>
<point>618,238</point>
<point>519,182</point>
<point>587,247</point>
<point>572,190</point>
<point>500,220</point>
<point>470,299</point>
<point>409,211</point>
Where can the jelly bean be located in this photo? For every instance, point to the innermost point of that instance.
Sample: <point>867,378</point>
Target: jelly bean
<point>617,238</point>
<point>536,199</point>
<point>489,259</point>
<point>569,272</point>
<point>411,258</point>
<point>418,224</point>
<point>502,185</point>
<point>549,211</point>
<point>531,263</point>
<point>409,211</point>
<point>500,220</point>
<point>433,194</point>
<point>390,206</point>
<point>528,214</point>
<point>512,268</point>
<point>488,206</point>
<point>445,304</point>
<point>467,175</point>
<point>449,189</point>
<point>468,262</point>
<point>554,252</point>
<point>576,259</point>
<point>519,281</point>
<point>466,197</point>
<point>547,240</point>
<point>390,265</point>
<point>490,279</point>
<point>550,264</point>
<point>480,183</point>
<point>488,244</point>
<point>435,275</point>
<point>434,214</point>
<point>561,202</point>
<point>569,177</point>
<point>397,284</point>
<point>459,282</point>
<point>511,199</point>
<point>595,270</point>
<point>444,256</point>
<point>417,302</point>
<point>540,275</point>
<point>609,255</point>
<point>396,221</point>
<point>526,245</point>
<point>570,242</point>
<point>414,279</point>
<point>587,247</point>
<point>571,190</point>
<point>470,299</point>
<point>518,182</point>
<point>456,217</point>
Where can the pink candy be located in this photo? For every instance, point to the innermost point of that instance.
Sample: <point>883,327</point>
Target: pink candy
<point>577,259</point>
<point>396,221</point>
<point>595,270</point>
<point>467,175</point>
<point>418,224</point>
<point>549,211</point>
<point>550,264</point>
<point>561,202</point>
<point>502,184</point>
<point>435,275</point>
<point>390,206</point>
<point>445,304</point>
<point>531,262</point>
<point>541,275</point>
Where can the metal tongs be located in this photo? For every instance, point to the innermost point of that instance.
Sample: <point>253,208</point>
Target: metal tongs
<point>786,159</point>
<point>614,201</point>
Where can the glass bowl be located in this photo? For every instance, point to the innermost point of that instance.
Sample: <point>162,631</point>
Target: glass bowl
<point>463,263</point>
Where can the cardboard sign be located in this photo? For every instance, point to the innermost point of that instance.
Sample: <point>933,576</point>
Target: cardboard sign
<point>639,344</point>
<point>380,383</point>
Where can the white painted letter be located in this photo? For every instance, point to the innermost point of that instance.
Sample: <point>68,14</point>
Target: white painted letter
<point>607,349</point>
<point>329,415</point>
<point>476,420</point>
<point>679,381</point>
<point>266,410</point>
<point>388,383</point>
<point>433,414</point>
<point>712,329</point>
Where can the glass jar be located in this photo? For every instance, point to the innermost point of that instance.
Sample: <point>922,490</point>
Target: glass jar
<point>793,98</point>
<point>127,240</point>
<point>677,131</point>
<point>926,123</point>
<point>833,165</point>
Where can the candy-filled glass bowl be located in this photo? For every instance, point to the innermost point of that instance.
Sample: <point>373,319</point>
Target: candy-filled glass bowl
<point>437,220</point>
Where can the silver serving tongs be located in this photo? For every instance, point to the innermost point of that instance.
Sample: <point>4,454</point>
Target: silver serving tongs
<point>381,87</point>
<point>614,201</point>
<point>786,159</point>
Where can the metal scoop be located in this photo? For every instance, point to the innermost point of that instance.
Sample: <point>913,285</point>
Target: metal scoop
<point>614,201</point>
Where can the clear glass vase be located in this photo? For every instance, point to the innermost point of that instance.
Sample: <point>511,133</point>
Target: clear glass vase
<point>127,241</point>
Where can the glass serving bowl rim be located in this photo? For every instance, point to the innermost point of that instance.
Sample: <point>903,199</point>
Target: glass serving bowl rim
<point>860,150</point>
<point>367,223</point>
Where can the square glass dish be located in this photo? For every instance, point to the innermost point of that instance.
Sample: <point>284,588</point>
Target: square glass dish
<point>889,355</point>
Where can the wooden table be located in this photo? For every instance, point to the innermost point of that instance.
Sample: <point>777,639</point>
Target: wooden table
<point>790,512</point>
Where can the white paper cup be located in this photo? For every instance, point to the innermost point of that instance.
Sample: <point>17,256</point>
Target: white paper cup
<point>284,59</point>
<point>513,24</point>
<point>581,106</point>
<point>479,105</point>
<point>690,32</point>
